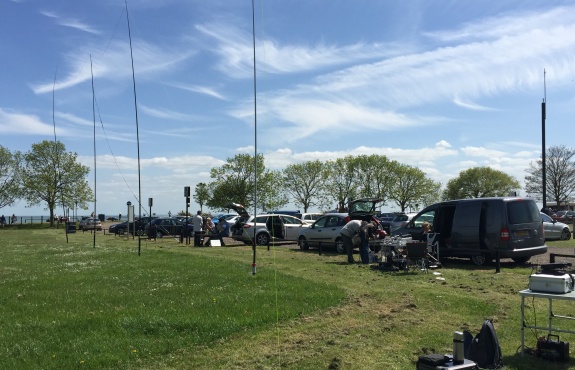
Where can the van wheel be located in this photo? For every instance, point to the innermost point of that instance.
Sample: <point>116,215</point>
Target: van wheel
<point>480,259</point>
<point>303,243</point>
<point>339,247</point>
<point>566,234</point>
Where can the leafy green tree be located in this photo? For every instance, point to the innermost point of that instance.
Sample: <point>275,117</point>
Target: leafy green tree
<point>271,193</point>
<point>52,175</point>
<point>304,182</point>
<point>235,181</point>
<point>375,176</point>
<point>559,175</point>
<point>342,180</point>
<point>10,185</point>
<point>480,182</point>
<point>201,194</point>
<point>409,186</point>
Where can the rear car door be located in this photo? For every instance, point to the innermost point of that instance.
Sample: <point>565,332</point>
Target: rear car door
<point>292,227</point>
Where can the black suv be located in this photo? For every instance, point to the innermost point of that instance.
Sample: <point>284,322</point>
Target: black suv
<point>161,226</point>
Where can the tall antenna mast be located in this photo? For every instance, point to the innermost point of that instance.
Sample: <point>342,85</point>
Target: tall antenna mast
<point>137,131</point>
<point>255,141</point>
<point>543,159</point>
<point>94,116</point>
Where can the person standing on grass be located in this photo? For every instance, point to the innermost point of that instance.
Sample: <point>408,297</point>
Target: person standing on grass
<point>223,229</point>
<point>198,221</point>
<point>14,218</point>
<point>2,220</point>
<point>347,233</point>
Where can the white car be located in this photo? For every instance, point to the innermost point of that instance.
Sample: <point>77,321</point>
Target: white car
<point>325,231</point>
<point>555,229</point>
<point>264,228</point>
<point>310,218</point>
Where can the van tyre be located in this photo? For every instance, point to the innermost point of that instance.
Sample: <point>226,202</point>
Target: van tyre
<point>303,245</point>
<point>339,247</point>
<point>480,259</point>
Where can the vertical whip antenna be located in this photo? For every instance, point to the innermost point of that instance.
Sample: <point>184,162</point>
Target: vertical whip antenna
<point>255,141</point>
<point>543,159</point>
<point>94,117</point>
<point>137,130</point>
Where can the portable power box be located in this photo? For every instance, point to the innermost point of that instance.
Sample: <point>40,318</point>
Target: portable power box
<point>552,350</point>
<point>544,283</point>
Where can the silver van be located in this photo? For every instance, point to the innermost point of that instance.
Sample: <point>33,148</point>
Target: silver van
<point>479,228</point>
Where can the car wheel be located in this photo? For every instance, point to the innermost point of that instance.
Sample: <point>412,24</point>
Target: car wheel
<point>303,243</point>
<point>262,239</point>
<point>480,259</point>
<point>521,260</point>
<point>565,234</point>
<point>120,231</point>
<point>339,247</point>
<point>159,235</point>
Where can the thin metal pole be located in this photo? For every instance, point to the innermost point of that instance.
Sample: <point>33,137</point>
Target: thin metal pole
<point>137,132</point>
<point>94,117</point>
<point>543,159</point>
<point>255,141</point>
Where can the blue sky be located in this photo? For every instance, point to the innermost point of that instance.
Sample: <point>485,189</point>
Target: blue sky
<point>441,85</point>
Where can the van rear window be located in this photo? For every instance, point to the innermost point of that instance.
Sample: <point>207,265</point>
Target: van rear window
<point>522,212</point>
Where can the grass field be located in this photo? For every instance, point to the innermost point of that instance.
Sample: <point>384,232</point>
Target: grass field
<point>70,305</point>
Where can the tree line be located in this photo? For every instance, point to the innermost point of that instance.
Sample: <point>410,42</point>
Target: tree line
<point>49,175</point>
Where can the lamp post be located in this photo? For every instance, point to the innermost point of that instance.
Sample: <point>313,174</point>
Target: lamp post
<point>128,203</point>
<point>150,202</point>
<point>187,195</point>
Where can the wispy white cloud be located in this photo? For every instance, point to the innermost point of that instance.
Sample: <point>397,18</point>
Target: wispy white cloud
<point>114,63</point>
<point>374,95</point>
<point>201,90</point>
<point>16,123</point>
<point>235,48</point>
<point>71,22</point>
<point>165,113</point>
<point>471,105</point>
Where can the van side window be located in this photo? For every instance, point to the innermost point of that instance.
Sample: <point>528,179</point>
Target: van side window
<point>424,217</point>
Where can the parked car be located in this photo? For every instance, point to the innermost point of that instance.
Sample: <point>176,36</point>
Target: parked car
<point>119,229</point>
<point>555,229</point>
<point>399,220</point>
<point>482,227</point>
<point>327,228</point>
<point>565,216</point>
<point>309,218</point>
<point>382,217</point>
<point>264,228</point>
<point>227,216</point>
<point>112,218</point>
<point>161,226</point>
<point>90,224</point>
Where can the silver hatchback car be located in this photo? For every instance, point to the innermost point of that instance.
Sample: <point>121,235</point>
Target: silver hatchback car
<point>555,229</point>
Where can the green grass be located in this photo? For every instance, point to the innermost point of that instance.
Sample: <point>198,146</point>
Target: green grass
<point>64,305</point>
<point>70,305</point>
